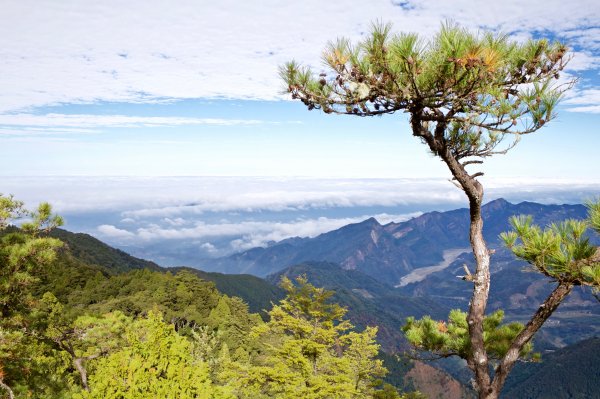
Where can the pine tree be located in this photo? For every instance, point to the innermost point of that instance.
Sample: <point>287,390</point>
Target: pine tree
<point>24,252</point>
<point>469,96</point>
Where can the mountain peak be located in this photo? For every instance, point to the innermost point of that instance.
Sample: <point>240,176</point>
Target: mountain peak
<point>496,204</point>
<point>370,222</point>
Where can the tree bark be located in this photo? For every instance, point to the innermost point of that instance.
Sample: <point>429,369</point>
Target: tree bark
<point>477,359</point>
<point>82,372</point>
<point>77,362</point>
<point>11,394</point>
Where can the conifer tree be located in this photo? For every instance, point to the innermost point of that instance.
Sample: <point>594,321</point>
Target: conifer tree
<point>85,338</point>
<point>468,96</point>
<point>309,351</point>
<point>23,253</point>
<point>156,362</point>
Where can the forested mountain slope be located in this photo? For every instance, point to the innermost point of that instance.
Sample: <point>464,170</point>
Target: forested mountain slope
<point>117,284</point>
<point>571,372</point>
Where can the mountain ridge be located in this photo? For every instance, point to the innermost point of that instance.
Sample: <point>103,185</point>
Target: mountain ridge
<point>389,252</point>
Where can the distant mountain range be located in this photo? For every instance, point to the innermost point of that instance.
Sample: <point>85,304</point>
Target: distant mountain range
<point>389,252</point>
<point>363,262</point>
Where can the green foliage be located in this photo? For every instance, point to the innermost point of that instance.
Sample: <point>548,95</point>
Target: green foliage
<point>10,209</point>
<point>28,365</point>
<point>256,292</point>
<point>561,251</point>
<point>369,301</point>
<point>156,362</point>
<point>231,319</point>
<point>87,337</point>
<point>50,343</point>
<point>594,215</point>
<point>480,88</point>
<point>23,254</point>
<point>183,298</point>
<point>309,351</point>
<point>180,297</point>
<point>32,367</point>
<point>451,338</point>
<point>71,329</point>
<point>93,252</point>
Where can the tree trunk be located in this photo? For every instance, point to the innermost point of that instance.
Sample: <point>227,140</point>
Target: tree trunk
<point>11,394</point>
<point>82,372</point>
<point>477,358</point>
<point>479,298</point>
<point>77,362</point>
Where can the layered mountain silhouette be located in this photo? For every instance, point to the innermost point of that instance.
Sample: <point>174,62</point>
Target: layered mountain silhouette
<point>364,262</point>
<point>389,252</point>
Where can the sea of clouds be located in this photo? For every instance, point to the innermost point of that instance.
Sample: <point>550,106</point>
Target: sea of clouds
<point>180,220</point>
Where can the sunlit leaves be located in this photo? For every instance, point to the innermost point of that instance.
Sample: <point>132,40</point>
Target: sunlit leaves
<point>25,359</point>
<point>155,362</point>
<point>309,351</point>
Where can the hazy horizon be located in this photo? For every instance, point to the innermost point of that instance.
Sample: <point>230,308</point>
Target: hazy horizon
<point>178,220</point>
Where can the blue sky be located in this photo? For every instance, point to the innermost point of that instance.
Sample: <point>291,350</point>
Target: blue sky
<point>146,88</point>
<point>102,103</point>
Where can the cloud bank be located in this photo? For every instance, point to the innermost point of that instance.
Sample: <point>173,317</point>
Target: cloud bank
<point>216,216</point>
<point>151,51</point>
<point>97,121</point>
<point>243,234</point>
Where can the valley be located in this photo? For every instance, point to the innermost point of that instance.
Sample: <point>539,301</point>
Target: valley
<point>448,255</point>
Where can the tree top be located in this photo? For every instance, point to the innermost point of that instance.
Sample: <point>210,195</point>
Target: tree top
<point>471,89</point>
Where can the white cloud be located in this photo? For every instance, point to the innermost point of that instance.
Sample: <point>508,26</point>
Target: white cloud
<point>75,123</point>
<point>233,214</point>
<point>113,232</point>
<point>589,109</point>
<point>181,198</point>
<point>252,233</point>
<point>82,52</point>
<point>241,195</point>
<point>584,97</point>
<point>587,99</point>
<point>585,37</point>
<point>19,131</point>
<point>583,60</point>
<point>207,246</point>
<point>174,222</point>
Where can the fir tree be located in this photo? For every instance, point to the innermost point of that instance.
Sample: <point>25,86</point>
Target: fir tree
<point>309,350</point>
